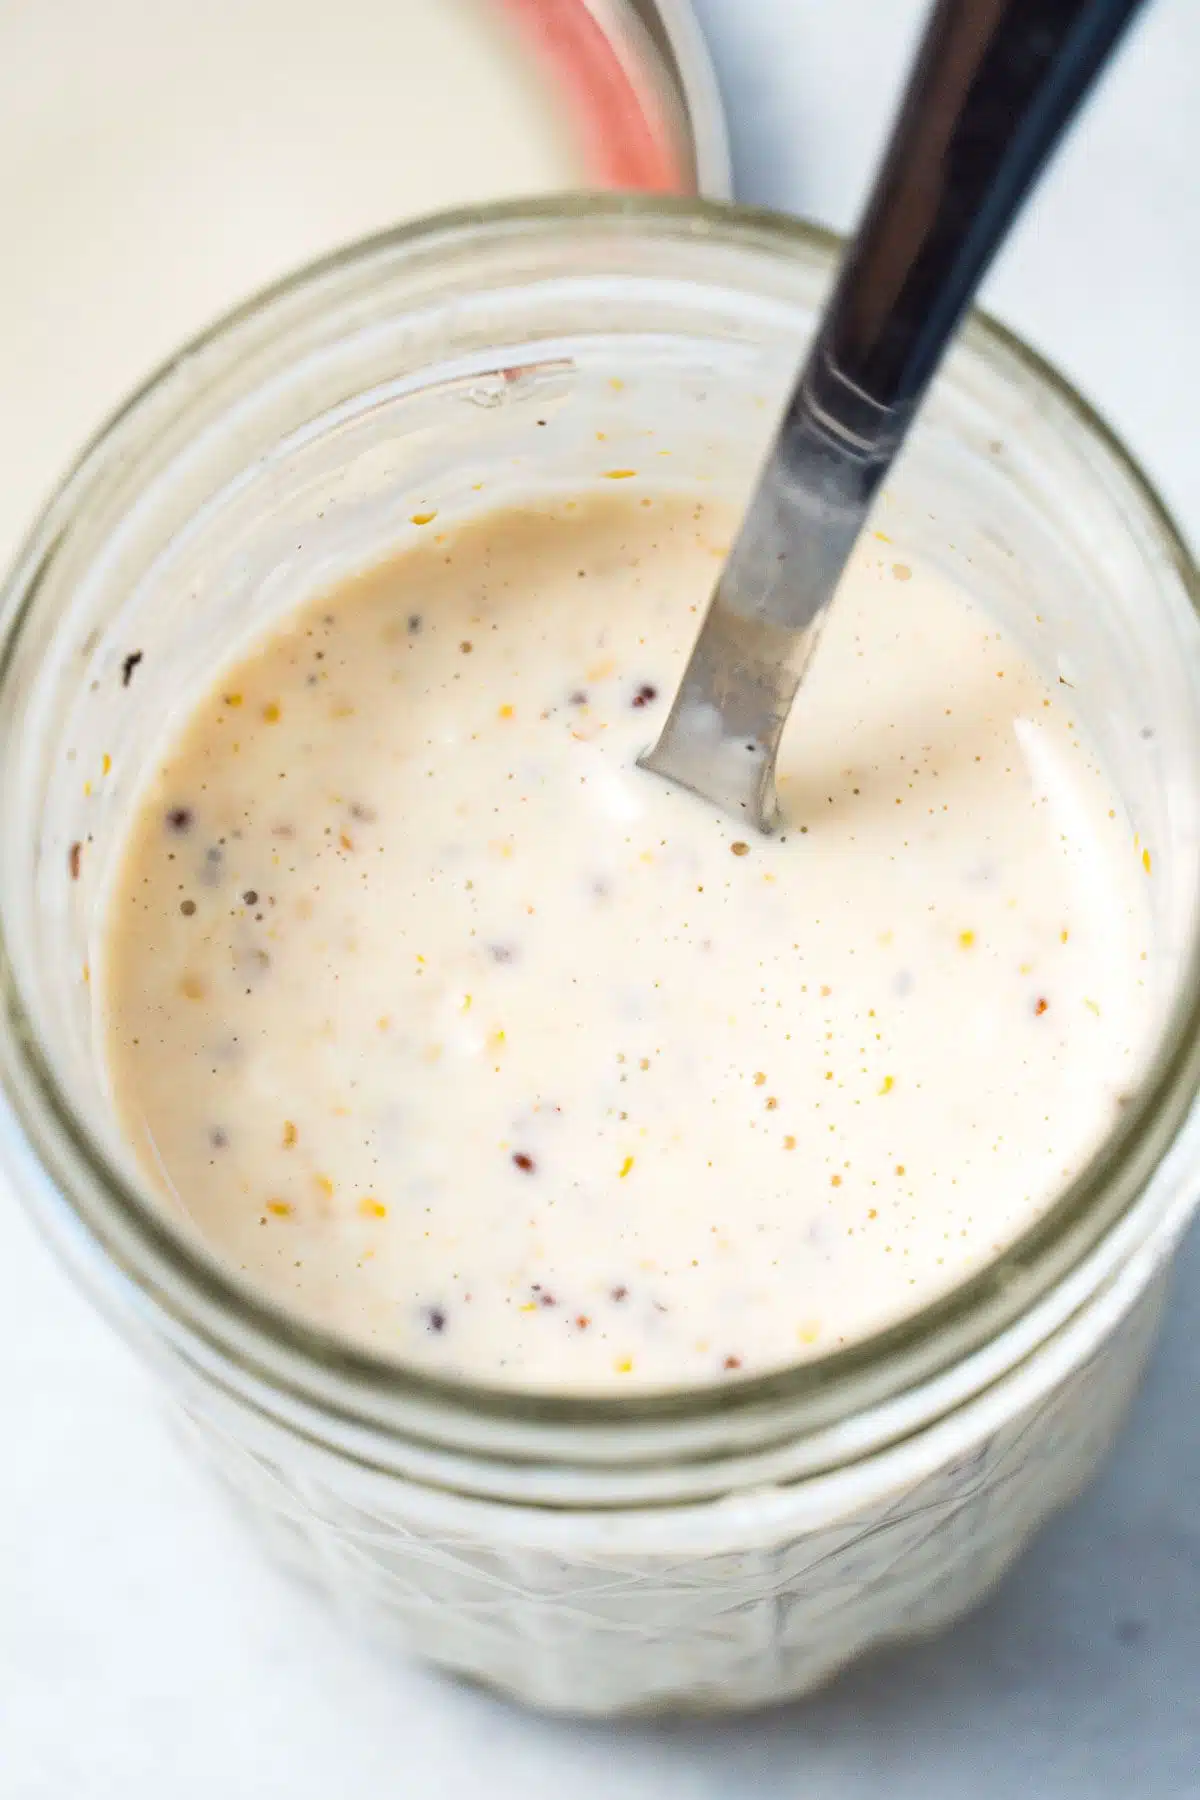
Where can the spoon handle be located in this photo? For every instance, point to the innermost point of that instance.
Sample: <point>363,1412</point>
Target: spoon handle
<point>994,86</point>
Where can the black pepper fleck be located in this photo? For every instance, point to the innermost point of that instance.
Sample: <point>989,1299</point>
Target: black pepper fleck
<point>524,1161</point>
<point>645,694</point>
<point>74,860</point>
<point>180,818</point>
<point>129,665</point>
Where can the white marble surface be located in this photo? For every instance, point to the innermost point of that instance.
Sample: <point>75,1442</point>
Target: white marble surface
<point>145,1654</point>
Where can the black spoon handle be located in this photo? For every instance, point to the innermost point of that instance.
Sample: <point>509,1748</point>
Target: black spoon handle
<point>994,86</point>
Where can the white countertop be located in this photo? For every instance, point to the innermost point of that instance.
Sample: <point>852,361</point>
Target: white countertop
<point>145,1654</point>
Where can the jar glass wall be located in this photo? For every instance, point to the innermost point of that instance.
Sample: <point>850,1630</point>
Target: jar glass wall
<point>696,1548</point>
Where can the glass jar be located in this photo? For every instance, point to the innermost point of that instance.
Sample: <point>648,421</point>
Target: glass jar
<point>715,1548</point>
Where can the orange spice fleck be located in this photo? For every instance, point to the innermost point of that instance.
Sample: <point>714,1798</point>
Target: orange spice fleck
<point>789,1142</point>
<point>835,1181</point>
<point>106,763</point>
<point>282,1209</point>
<point>325,1185</point>
<point>232,700</point>
<point>192,988</point>
<point>625,1167</point>
<point>902,572</point>
<point>1041,1005</point>
<point>271,713</point>
<point>760,1079</point>
<point>889,1082</point>
<point>506,712</point>
<point>371,1208</point>
<point>290,1134</point>
<point>1146,861</point>
<point>623,1365</point>
<point>900,1168</point>
<point>739,848</point>
<point>619,474</point>
<point>422,518</point>
<point>966,940</point>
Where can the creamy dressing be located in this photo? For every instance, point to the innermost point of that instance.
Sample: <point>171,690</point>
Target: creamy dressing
<point>468,1039</point>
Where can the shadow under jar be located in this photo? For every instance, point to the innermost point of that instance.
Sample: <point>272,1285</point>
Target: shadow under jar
<point>720,1547</point>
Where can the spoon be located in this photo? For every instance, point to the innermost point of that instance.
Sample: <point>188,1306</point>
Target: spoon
<point>993,89</point>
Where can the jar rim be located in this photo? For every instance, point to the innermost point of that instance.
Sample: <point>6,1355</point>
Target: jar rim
<point>205,1304</point>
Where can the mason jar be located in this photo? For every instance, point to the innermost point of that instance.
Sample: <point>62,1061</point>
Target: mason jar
<point>711,1548</point>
